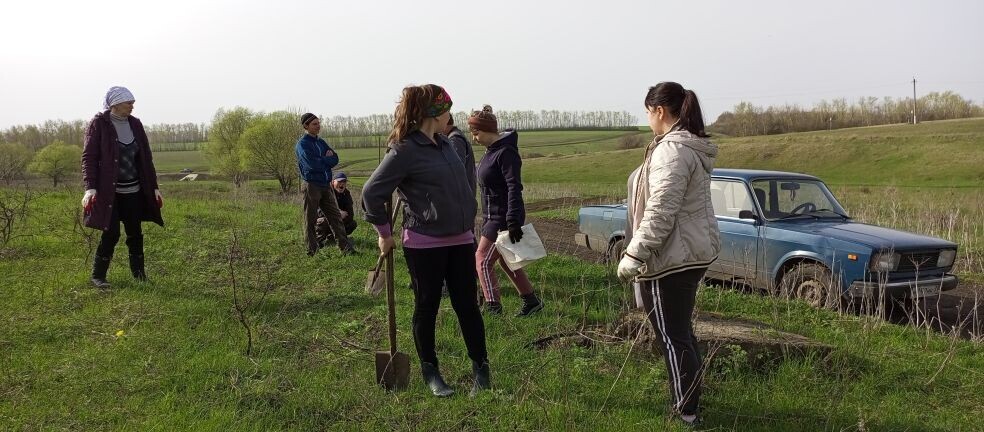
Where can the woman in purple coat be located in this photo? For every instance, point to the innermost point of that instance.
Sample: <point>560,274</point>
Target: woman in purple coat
<point>120,182</point>
<point>502,209</point>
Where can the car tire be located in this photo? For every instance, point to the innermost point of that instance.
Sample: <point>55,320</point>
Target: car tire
<point>811,283</point>
<point>615,251</point>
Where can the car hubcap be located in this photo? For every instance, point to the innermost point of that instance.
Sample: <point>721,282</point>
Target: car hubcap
<point>812,292</point>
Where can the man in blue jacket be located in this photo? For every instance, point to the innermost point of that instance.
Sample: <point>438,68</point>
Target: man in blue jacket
<point>315,159</point>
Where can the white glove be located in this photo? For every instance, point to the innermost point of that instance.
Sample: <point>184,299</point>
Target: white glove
<point>629,268</point>
<point>159,198</point>
<point>90,196</point>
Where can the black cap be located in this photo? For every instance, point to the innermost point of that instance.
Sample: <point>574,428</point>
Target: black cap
<point>307,118</point>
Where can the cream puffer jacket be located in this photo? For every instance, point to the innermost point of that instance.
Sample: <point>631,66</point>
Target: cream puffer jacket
<point>670,212</point>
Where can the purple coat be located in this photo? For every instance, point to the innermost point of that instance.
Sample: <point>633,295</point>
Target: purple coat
<point>100,166</point>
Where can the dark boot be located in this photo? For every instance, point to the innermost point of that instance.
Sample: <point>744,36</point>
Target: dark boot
<point>531,305</point>
<point>137,267</point>
<point>100,265</point>
<point>347,247</point>
<point>492,308</point>
<point>483,378</point>
<point>434,380</point>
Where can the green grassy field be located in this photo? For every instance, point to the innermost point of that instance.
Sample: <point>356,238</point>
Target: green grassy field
<point>169,354</point>
<point>175,161</point>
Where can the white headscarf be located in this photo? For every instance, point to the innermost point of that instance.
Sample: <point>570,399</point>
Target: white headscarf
<point>117,95</point>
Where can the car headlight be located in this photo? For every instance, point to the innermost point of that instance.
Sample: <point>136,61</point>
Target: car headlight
<point>946,258</point>
<point>885,261</point>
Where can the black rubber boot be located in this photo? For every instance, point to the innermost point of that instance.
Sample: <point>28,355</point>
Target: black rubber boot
<point>137,267</point>
<point>493,308</point>
<point>483,378</point>
<point>531,305</point>
<point>100,265</point>
<point>434,380</point>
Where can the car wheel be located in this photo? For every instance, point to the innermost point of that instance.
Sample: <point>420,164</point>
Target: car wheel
<point>615,251</point>
<point>811,283</point>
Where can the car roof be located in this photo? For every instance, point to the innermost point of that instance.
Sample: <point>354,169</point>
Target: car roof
<point>748,175</point>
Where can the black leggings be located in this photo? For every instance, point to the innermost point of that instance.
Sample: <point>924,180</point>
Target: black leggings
<point>429,268</point>
<point>669,302</point>
<point>127,209</point>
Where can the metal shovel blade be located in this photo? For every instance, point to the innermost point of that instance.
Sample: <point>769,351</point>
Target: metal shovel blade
<point>376,282</point>
<point>392,370</point>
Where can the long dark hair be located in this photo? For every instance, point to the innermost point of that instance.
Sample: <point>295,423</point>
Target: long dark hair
<point>412,110</point>
<point>680,103</point>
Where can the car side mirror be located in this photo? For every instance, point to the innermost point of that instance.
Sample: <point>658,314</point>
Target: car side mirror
<point>748,214</point>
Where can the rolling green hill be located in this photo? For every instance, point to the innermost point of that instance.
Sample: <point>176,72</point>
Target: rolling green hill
<point>946,153</point>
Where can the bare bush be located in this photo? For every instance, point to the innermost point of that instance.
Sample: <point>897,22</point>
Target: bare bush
<point>631,141</point>
<point>14,208</point>
<point>251,289</point>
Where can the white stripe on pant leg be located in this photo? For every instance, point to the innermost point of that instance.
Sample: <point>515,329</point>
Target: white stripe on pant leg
<point>675,377</point>
<point>487,268</point>
<point>486,271</point>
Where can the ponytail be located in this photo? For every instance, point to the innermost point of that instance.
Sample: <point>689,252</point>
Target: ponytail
<point>409,113</point>
<point>416,104</point>
<point>680,103</point>
<point>691,117</point>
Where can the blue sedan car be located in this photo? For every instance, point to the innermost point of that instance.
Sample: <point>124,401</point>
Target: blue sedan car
<point>786,233</point>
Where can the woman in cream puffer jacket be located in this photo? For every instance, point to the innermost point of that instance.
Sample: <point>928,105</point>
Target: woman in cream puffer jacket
<point>674,234</point>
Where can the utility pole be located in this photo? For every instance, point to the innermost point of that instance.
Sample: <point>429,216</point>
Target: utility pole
<point>914,120</point>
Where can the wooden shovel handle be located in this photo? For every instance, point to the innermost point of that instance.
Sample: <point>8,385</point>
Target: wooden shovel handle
<point>390,291</point>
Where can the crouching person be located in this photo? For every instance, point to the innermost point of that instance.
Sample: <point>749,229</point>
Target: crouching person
<point>343,196</point>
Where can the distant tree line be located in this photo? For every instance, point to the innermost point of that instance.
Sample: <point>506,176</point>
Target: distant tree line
<point>747,119</point>
<point>380,124</point>
<point>167,133</point>
<point>367,127</point>
<point>73,132</point>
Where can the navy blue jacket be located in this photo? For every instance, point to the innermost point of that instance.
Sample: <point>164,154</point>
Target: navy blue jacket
<point>501,183</point>
<point>314,166</point>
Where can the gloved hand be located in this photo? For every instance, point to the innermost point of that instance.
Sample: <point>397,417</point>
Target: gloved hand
<point>515,231</point>
<point>159,198</point>
<point>628,268</point>
<point>89,199</point>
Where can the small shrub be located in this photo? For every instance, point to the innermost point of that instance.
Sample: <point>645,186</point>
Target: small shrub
<point>631,141</point>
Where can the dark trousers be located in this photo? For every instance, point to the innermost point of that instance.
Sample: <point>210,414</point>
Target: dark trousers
<point>669,303</point>
<point>323,231</point>
<point>127,209</point>
<point>322,197</point>
<point>429,268</point>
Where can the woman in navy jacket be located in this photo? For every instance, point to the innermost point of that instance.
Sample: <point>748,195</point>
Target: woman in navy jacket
<point>502,209</point>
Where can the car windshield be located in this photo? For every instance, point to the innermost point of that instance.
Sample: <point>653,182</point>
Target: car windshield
<point>794,198</point>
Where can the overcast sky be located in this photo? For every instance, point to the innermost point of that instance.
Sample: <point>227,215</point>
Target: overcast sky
<point>183,59</point>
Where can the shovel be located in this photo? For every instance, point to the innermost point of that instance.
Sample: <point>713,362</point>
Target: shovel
<point>392,367</point>
<point>375,283</point>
